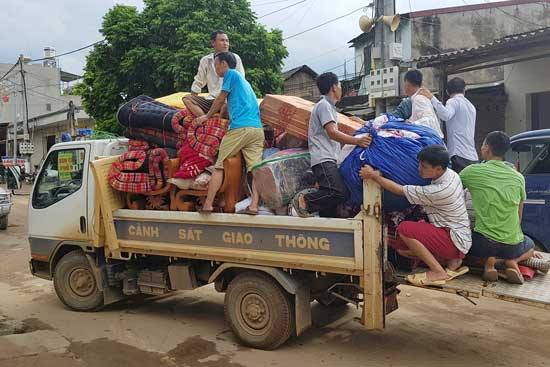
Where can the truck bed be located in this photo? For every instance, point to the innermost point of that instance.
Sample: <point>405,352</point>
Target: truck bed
<point>535,292</point>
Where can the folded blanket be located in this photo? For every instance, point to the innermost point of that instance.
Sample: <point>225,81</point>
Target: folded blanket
<point>140,172</point>
<point>144,112</point>
<point>134,145</point>
<point>206,139</point>
<point>155,137</point>
<point>191,163</point>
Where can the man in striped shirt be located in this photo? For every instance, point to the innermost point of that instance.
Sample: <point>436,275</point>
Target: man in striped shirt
<point>446,239</point>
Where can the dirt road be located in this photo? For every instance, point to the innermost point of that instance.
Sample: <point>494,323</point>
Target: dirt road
<point>429,329</point>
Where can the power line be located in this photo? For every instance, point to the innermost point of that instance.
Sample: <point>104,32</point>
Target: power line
<point>316,57</point>
<point>38,93</point>
<point>278,10</point>
<point>70,52</point>
<point>270,2</point>
<point>9,71</point>
<point>325,23</point>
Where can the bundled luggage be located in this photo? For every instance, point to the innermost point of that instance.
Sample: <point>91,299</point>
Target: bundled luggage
<point>282,175</point>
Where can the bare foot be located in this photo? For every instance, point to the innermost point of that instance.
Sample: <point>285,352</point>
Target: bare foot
<point>302,202</point>
<point>454,264</point>
<point>431,275</point>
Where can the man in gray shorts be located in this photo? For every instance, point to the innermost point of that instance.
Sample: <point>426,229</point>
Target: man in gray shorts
<point>206,76</point>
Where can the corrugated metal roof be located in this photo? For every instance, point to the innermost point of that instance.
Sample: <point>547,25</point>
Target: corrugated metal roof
<point>504,42</point>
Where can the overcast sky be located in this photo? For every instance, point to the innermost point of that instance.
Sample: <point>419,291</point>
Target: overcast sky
<point>30,25</point>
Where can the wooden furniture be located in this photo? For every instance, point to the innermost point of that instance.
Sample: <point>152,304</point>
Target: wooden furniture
<point>230,189</point>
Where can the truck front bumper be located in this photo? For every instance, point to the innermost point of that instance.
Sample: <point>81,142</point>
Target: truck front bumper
<point>5,209</point>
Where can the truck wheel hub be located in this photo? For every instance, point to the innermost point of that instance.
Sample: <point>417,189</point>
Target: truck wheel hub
<point>255,311</point>
<point>82,282</point>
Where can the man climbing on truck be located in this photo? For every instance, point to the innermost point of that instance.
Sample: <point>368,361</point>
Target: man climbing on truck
<point>446,239</point>
<point>324,142</point>
<point>245,132</point>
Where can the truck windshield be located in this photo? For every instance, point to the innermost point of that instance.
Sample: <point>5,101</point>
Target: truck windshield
<point>61,176</point>
<point>533,157</point>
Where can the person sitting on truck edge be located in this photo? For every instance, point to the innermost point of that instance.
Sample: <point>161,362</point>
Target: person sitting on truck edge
<point>324,141</point>
<point>498,193</point>
<point>446,239</point>
<point>245,132</point>
<point>207,76</point>
<point>423,112</point>
<point>460,117</point>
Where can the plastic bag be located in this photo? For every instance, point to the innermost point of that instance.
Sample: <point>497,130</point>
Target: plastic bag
<point>394,156</point>
<point>281,176</point>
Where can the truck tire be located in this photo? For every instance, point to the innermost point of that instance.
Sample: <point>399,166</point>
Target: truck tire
<point>4,222</point>
<point>75,284</point>
<point>259,311</point>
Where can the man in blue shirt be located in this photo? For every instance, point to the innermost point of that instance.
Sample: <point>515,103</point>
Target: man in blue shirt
<point>245,132</point>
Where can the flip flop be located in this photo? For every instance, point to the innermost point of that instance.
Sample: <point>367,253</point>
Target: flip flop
<point>456,273</point>
<point>250,212</point>
<point>490,275</point>
<point>205,211</point>
<point>421,280</point>
<point>513,276</point>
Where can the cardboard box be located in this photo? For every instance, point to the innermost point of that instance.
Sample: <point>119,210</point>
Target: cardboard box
<point>291,114</point>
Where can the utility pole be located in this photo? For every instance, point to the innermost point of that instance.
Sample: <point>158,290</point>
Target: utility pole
<point>25,100</point>
<point>14,128</point>
<point>382,36</point>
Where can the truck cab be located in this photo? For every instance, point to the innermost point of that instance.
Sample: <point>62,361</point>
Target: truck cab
<point>59,212</point>
<point>531,153</point>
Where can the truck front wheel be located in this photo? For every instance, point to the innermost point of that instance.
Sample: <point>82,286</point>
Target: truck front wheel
<point>259,311</point>
<point>75,283</point>
<point>4,222</point>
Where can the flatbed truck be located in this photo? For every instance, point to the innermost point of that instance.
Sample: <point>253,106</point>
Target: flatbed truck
<point>270,267</point>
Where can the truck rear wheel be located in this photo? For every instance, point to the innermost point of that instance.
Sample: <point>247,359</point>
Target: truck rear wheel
<point>4,222</point>
<point>75,283</point>
<point>259,311</point>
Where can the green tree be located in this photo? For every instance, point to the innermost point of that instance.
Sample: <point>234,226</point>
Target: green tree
<point>157,51</point>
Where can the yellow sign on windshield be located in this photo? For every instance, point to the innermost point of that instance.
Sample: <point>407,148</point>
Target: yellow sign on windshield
<point>65,165</point>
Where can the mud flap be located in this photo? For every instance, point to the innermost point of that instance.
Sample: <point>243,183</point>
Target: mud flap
<point>110,294</point>
<point>302,309</point>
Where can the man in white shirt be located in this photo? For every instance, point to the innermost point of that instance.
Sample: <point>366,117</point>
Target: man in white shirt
<point>423,112</point>
<point>207,77</point>
<point>460,117</point>
<point>446,239</point>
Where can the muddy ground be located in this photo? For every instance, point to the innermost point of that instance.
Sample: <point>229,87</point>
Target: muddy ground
<point>188,329</point>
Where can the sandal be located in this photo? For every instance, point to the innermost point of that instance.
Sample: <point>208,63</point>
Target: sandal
<point>250,212</point>
<point>456,273</point>
<point>421,280</point>
<point>513,276</point>
<point>490,275</point>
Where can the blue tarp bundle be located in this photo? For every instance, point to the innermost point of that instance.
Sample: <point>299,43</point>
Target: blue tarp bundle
<point>394,157</point>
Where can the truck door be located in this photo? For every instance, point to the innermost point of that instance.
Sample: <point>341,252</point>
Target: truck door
<point>58,207</point>
<point>534,158</point>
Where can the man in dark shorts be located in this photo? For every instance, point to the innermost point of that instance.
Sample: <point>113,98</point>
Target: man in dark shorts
<point>498,193</point>
<point>444,241</point>
<point>207,77</point>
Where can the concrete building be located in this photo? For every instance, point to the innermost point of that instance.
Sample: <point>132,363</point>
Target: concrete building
<point>48,107</point>
<point>300,82</point>
<point>525,58</point>
<point>498,92</point>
